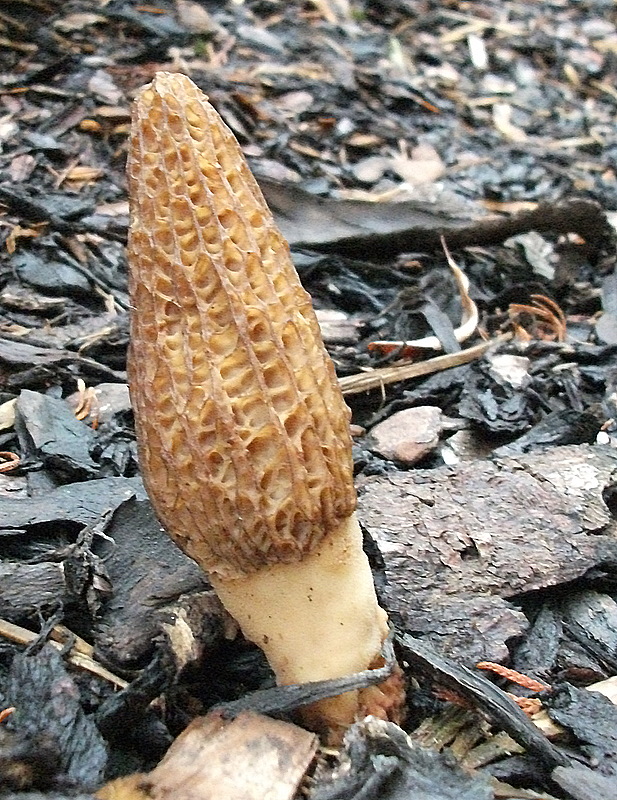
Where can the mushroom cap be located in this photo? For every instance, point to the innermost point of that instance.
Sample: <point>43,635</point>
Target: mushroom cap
<point>242,429</point>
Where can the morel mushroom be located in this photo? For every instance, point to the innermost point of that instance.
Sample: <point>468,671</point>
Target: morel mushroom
<point>243,432</point>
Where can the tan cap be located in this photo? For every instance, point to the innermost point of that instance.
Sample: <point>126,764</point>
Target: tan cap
<point>243,432</point>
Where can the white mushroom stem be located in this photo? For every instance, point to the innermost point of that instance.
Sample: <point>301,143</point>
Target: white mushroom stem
<point>323,607</point>
<point>314,619</point>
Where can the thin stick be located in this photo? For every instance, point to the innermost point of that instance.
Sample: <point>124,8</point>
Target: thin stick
<point>76,656</point>
<point>364,381</point>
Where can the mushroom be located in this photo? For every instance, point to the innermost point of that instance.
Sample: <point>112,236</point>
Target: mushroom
<point>242,429</point>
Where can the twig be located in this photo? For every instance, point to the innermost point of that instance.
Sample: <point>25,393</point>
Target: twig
<point>364,381</point>
<point>79,655</point>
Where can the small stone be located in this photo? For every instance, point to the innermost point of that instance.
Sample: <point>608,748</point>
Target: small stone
<point>371,169</point>
<point>510,369</point>
<point>465,445</point>
<point>423,165</point>
<point>408,435</point>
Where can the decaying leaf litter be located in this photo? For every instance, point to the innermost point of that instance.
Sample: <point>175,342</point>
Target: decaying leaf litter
<point>379,133</point>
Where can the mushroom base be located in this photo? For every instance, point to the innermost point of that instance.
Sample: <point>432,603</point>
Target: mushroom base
<point>315,619</point>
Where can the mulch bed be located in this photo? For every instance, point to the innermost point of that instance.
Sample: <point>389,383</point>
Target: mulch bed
<point>445,173</point>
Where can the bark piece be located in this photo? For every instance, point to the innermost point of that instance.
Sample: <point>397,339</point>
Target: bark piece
<point>590,619</point>
<point>592,718</point>
<point>148,572</point>
<point>377,230</point>
<point>251,757</point>
<point>110,399</point>
<point>583,783</point>
<point>83,503</point>
<point>537,653</point>
<point>35,524</point>
<point>52,740</point>
<point>380,761</point>
<point>408,435</point>
<point>27,588</point>
<point>61,440</point>
<point>54,277</point>
<point>22,358</point>
<point>458,542</point>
